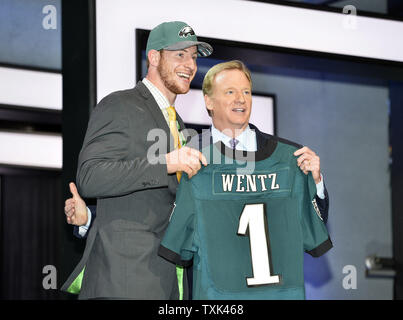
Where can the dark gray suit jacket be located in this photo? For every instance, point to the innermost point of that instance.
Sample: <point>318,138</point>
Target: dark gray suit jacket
<point>134,200</point>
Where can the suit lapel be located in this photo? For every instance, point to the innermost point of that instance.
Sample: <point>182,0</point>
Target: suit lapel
<point>261,140</point>
<point>156,112</point>
<point>181,128</point>
<point>180,121</point>
<point>159,118</point>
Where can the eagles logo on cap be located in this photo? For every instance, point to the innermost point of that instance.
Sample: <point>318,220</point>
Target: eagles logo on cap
<point>186,31</point>
<point>176,35</point>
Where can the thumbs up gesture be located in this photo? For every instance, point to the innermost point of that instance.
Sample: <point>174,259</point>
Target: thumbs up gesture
<point>75,208</point>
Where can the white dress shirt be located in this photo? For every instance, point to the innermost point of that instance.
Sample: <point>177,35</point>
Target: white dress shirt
<point>246,140</point>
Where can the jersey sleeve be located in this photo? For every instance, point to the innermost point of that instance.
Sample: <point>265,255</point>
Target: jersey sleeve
<point>176,246</point>
<point>316,237</point>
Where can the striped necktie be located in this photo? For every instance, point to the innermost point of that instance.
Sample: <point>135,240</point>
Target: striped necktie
<point>175,133</point>
<point>233,142</point>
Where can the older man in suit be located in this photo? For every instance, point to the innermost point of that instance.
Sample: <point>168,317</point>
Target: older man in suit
<point>228,98</point>
<point>206,222</point>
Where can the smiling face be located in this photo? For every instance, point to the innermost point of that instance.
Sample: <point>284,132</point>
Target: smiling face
<point>177,69</point>
<point>230,102</point>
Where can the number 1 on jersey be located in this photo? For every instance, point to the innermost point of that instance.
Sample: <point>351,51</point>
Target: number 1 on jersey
<point>253,217</point>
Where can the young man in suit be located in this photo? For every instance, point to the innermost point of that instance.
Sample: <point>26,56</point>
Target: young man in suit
<point>136,191</point>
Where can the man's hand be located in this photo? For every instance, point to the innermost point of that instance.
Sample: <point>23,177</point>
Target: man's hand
<point>309,161</point>
<point>185,159</point>
<point>75,208</point>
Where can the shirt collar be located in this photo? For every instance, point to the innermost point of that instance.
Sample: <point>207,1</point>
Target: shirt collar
<point>161,100</point>
<point>247,139</point>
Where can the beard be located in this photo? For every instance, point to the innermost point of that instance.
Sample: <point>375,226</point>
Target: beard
<point>168,78</point>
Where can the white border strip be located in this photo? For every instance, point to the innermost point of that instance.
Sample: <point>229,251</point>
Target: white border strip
<point>244,21</point>
<point>31,88</point>
<point>33,150</point>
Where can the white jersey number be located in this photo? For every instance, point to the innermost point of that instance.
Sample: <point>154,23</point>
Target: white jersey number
<point>253,217</point>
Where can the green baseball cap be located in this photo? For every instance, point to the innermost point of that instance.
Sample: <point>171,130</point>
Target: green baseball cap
<point>176,35</point>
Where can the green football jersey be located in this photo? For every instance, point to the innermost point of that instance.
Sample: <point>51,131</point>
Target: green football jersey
<point>244,221</point>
